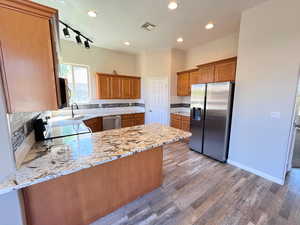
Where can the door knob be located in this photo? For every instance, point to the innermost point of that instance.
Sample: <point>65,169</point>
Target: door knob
<point>150,110</point>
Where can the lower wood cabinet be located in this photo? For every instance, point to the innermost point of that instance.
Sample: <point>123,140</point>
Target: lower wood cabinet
<point>129,120</point>
<point>180,122</point>
<point>95,124</point>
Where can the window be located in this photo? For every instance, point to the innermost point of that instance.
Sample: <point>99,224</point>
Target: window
<point>78,82</point>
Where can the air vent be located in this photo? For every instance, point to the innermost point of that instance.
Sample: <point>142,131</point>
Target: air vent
<point>148,26</point>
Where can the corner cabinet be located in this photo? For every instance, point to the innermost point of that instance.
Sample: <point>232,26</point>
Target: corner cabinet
<point>111,86</point>
<point>183,83</point>
<point>28,59</point>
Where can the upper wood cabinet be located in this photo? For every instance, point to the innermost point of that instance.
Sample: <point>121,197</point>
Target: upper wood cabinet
<point>136,88</point>
<point>183,83</point>
<point>205,74</point>
<point>104,86</point>
<point>220,71</point>
<point>225,70</point>
<point>28,56</point>
<point>118,87</point>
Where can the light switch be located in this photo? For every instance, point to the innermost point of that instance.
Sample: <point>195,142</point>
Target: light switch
<point>275,115</point>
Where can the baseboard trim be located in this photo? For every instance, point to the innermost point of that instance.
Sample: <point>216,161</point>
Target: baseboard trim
<point>256,172</point>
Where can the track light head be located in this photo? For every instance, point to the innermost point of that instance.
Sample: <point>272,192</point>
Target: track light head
<point>78,39</point>
<point>87,44</point>
<point>66,32</point>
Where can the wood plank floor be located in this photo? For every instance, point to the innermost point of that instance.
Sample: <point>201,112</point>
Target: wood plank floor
<point>198,190</point>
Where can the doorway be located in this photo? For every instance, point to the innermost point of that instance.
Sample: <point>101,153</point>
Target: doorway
<point>156,101</point>
<point>293,163</point>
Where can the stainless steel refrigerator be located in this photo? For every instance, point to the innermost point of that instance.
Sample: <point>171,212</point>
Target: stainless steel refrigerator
<point>211,108</point>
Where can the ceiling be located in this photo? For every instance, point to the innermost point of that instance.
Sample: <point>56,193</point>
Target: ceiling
<point>118,21</point>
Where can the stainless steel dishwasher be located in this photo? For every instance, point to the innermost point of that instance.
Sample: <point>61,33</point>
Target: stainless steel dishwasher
<point>111,122</point>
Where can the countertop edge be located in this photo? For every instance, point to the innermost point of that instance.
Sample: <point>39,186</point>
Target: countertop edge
<point>86,166</point>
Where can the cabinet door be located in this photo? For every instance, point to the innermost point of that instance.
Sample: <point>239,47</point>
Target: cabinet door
<point>183,84</point>
<point>136,88</point>
<point>185,123</point>
<point>225,71</point>
<point>126,87</point>
<point>95,124</point>
<point>104,86</point>
<point>27,62</point>
<point>116,92</point>
<point>205,74</point>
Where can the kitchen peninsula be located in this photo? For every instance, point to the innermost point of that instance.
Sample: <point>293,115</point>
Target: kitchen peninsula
<point>78,179</point>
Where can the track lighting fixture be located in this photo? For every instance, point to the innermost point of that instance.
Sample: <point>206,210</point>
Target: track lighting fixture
<point>87,44</point>
<point>78,39</point>
<point>66,32</point>
<point>78,35</point>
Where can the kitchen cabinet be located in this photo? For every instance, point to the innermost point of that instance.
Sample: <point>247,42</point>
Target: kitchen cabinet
<point>95,124</point>
<point>104,86</point>
<point>126,88</point>
<point>136,88</point>
<point>225,70</point>
<point>116,83</point>
<point>180,122</point>
<point>111,86</point>
<point>28,56</point>
<point>129,120</point>
<point>183,84</point>
<point>219,71</point>
<point>205,74</point>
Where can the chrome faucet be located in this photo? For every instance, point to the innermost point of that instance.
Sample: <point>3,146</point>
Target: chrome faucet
<point>72,108</point>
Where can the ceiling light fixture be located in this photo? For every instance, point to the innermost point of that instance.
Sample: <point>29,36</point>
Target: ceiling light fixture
<point>179,40</point>
<point>209,26</point>
<point>172,4</point>
<point>92,13</point>
<point>127,43</point>
<point>66,32</point>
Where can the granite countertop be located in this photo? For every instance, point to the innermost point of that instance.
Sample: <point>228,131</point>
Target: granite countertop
<point>62,117</point>
<point>51,159</point>
<point>181,111</point>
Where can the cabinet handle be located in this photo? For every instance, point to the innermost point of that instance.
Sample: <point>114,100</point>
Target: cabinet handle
<point>3,79</point>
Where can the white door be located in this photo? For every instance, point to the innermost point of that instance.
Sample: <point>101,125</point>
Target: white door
<point>156,101</point>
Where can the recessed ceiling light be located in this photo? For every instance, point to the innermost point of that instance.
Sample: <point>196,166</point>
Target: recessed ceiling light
<point>209,26</point>
<point>172,5</point>
<point>127,43</point>
<point>179,40</point>
<point>92,13</point>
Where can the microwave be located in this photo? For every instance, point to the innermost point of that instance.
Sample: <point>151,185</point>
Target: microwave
<point>64,92</point>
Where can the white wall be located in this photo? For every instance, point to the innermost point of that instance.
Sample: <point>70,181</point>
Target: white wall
<point>267,72</point>
<point>99,60</point>
<point>154,64</point>
<point>221,48</point>
<point>178,63</point>
<point>10,204</point>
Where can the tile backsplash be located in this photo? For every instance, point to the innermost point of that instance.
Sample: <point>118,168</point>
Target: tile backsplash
<point>21,125</point>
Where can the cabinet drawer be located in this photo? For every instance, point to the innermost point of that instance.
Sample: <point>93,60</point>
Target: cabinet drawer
<point>139,121</point>
<point>185,118</point>
<point>127,123</point>
<point>127,116</point>
<point>175,116</point>
<point>139,115</point>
